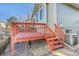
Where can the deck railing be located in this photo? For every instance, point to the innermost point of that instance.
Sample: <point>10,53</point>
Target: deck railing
<point>19,27</point>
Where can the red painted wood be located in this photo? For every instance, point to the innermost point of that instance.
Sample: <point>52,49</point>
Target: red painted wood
<point>31,31</point>
<point>0,51</point>
<point>59,33</point>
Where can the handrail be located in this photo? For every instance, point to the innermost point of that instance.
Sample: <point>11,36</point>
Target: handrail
<point>56,26</point>
<point>15,26</point>
<point>59,32</point>
<point>50,29</point>
<point>63,36</point>
<point>53,35</point>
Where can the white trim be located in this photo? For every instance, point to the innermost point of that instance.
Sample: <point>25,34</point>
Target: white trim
<point>45,13</point>
<point>75,4</point>
<point>38,11</point>
<point>55,13</point>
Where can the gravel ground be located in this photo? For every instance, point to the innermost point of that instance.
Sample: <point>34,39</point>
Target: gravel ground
<point>38,48</point>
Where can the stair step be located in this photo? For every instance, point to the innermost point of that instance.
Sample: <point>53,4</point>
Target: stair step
<point>55,42</point>
<point>51,39</point>
<point>59,43</point>
<point>55,38</point>
<point>58,46</point>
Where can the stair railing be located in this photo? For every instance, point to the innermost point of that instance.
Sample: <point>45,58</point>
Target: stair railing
<point>52,36</point>
<point>59,33</point>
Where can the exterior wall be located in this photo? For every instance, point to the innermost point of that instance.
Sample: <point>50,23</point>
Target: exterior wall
<point>60,14</point>
<point>68,16</point>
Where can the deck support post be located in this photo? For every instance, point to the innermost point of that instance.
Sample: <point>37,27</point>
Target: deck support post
<point>12,48</point>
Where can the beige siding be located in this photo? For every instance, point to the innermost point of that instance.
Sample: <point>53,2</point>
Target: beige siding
<point>68,16</point>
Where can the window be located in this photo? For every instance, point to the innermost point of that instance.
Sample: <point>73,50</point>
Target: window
<point>36,17</point>
<point>42,14</point>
